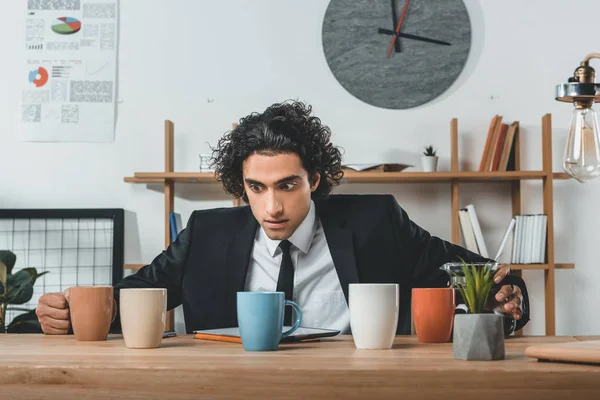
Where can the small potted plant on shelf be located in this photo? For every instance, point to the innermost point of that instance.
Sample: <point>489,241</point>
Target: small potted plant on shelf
<point>429,160</point>
<point>478,335</point>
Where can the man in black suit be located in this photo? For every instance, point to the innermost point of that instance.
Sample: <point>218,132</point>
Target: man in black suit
<point>294,237</point>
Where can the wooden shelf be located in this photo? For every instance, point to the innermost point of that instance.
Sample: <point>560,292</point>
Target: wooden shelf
<point>176,177</point>
<point>540,266</point>
<point>462,176</point>
<point>140,180</point>
<point>364,177</point>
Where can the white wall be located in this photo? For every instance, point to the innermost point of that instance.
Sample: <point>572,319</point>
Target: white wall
<point>204,64</point>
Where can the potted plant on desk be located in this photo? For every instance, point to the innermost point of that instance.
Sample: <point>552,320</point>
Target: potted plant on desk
<point>429,160</point>
<point>477,335</point>
<point>17,289</point>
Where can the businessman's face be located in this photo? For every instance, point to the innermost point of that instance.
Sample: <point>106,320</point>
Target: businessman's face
<point>278,191</point>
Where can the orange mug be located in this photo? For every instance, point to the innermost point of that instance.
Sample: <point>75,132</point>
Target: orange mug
<point>433,313</point>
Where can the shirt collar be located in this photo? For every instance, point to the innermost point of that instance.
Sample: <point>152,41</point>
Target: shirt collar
<point>302,236</point>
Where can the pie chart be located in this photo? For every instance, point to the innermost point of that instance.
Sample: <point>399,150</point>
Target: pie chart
<point>66,25</point>
<point>43,76</point>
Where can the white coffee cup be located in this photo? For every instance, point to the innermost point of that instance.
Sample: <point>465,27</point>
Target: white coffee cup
<point>374,314</point>
<point>143,317</point>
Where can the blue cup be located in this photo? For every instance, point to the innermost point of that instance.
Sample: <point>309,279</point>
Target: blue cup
<point>260,318</point>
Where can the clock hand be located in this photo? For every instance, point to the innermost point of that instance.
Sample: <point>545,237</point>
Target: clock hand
<point>394,19</point>
<point>424,39</point>
<point>414,37</point>
<point>398,28</point>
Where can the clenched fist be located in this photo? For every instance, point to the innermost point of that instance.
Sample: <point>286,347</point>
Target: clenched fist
<point>53,313</point>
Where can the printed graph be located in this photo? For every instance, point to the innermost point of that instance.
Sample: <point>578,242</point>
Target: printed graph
<point>66,25</point>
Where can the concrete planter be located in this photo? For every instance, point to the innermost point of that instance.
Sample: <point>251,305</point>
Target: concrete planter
<point>478,337</point>
<point>429,163</point>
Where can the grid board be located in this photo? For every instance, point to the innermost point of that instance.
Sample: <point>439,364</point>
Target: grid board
<point>78,247</point>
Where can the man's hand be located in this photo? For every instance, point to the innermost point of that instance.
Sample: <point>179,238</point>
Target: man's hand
<point>509,298</point>
<point>53,313</point>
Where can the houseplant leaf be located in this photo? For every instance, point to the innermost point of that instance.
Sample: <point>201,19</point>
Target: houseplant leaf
<point>21,296</point>
<point>477,285</point>
<point>9,259</point>
<point>25,323</point>
<point>20,286</point>
<point>34,274</point>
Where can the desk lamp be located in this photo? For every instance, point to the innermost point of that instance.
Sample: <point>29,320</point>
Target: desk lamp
<point>582,151</point>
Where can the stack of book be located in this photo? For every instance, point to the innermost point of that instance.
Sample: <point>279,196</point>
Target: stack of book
<point>498,152</point>
<point>528,236</point>
<point>529,239</point>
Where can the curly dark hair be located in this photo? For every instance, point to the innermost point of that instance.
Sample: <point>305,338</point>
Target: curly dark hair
<point>282,128</point>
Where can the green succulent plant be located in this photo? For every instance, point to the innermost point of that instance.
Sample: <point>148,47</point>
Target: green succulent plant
<point>430,151</point>
<point>16,289</point>
<point>476,286</point>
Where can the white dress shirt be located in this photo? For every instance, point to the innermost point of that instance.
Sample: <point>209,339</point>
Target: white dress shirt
<point>317,288</point>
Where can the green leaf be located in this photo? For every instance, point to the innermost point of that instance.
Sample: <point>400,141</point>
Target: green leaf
<point>34,274</point>
<point>27,322</point>
<point>477,285</point>
<point>22,296</point>
<point>19,288</point>
<point>478,278</point>
<point>9,259</point>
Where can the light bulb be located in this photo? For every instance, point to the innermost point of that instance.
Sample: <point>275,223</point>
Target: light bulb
<point>582,151</point>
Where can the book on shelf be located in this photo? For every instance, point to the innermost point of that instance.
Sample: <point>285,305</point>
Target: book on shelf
<point>528,234</point>
<point>472,230</point>
<point>176,225</point>
<point>467,230</point>
<point>542,252</point>
<point>529,243</point>
<point>488,142</point>
<point>477,230</point>
<point>377,167</point>
<point>506,162</point>
<point>516,255</point>
<point>498,147</point>
<point>473,236</point>
<point>504,242</point>
<point>498,151</point>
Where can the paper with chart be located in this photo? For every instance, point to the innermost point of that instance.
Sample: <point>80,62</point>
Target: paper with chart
<point>69,72</point>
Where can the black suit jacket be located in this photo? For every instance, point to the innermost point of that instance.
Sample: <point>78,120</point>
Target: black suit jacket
<point>370,237</point>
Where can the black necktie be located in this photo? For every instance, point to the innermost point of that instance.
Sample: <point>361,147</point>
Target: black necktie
<point>285,282</point>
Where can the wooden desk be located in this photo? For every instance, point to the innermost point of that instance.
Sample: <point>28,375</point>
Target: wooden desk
<point>58,367</point>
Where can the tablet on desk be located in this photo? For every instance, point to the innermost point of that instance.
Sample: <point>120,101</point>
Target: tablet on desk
<point>233,334</point>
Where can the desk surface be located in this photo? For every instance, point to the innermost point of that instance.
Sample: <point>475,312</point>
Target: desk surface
<point>183,367</point>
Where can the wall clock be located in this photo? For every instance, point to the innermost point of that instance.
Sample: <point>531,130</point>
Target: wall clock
<point>396,54</point>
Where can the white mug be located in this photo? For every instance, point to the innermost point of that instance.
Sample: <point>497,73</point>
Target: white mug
<point>374,314</point>
<point>143,317</point>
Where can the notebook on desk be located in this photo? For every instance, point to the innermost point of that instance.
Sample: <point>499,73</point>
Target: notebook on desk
<point>587,351</point>
<point>233,334</point>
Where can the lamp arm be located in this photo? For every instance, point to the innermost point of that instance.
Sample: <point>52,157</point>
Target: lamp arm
<point>590,56</point>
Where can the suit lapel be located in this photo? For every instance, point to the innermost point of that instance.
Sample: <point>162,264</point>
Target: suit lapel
<point>237,260</point>
<point>341,246</point>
